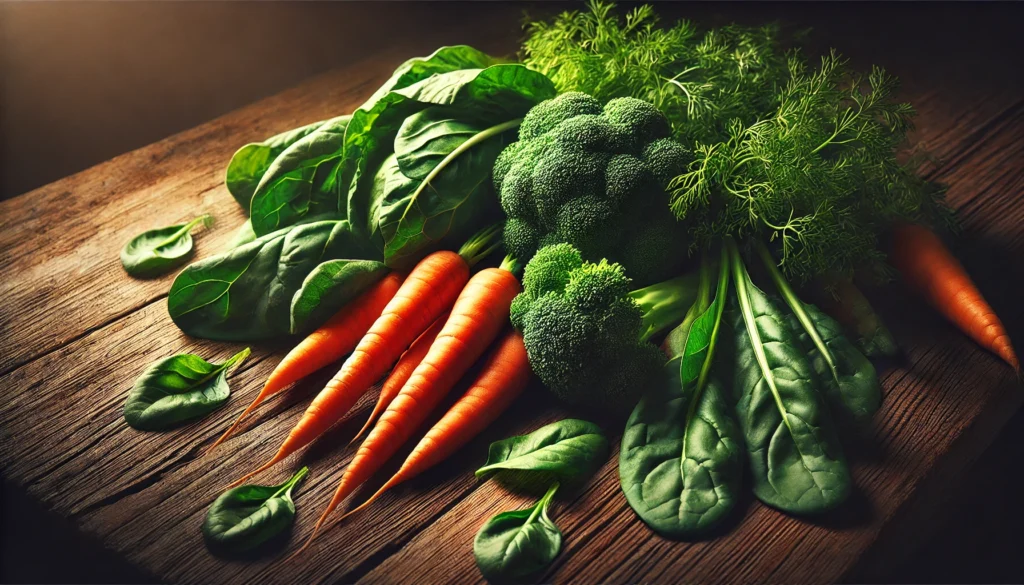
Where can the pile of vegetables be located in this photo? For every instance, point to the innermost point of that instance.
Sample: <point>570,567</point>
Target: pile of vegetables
<point>670,196</point>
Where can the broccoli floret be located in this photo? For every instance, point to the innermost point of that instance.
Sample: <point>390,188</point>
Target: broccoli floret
<point>644,253</point>
<point>641,118</point>
<point>549,113</point>
<point>584,333</point>
<point>667,159</point>
<point>591,177</point>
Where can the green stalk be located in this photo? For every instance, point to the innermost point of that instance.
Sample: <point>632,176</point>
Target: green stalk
<point>665,303</point>
<point>539,508</point>
<point>291,483</point>
<point>675,341</point>
<point>205,219</point>
<point>481,244</point>
<point>742,283</point>
<point>797,306</point>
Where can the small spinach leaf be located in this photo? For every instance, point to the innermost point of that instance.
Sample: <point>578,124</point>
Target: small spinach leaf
<point>680,462</point>
<point>570,449</point>
<point>329,287</point>
<point>178,389</point>
<point>514,545</point>
<point>245,517</point>
<point>250,163</point>
<point>796,461</point>
<point>155,252</point>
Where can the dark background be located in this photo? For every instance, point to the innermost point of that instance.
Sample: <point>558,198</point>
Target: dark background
<point>83,82</point>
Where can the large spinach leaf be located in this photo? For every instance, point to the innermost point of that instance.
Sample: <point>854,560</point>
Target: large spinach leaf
<point>796,462</point>
<point>250,162</point>
<point>245,517</point>
<point>438,184</point>
<point>305,179</point>
<point>515,545</point>
<point>247,293</point>
<point>849,380</point>
<point>570,449</point>
<point>160,250</point>
<point>178,389</point>
<point>330,287</point>
<point>680,462</point>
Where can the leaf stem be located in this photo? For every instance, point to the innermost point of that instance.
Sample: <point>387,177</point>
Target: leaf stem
<point>542,505</point>
<point>287,487</point>
<point>235,360</point>
<point>797,306</point>
<point>205,219</point>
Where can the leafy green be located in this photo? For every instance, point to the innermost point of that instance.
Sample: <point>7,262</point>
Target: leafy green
<point>570,449</point>
<point>515,545</point>
<point>438,183</point>
<point>329,287</point>
<point>243,235</point>
<point>178,389</point>
<point>796,462</point>
<point>158,251</point>
<point>247,516</point>
<point>680,462</point>
<point>247,292</point>
<point>250,162</point>
<point>303,180</point>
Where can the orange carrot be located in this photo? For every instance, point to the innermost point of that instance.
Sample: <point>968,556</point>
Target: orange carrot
<point>503,377</point>
<point>931,270</point>
<point>402,371</point>
<point>427,292</point>
<point>479,314</point>
<point>333,339</point>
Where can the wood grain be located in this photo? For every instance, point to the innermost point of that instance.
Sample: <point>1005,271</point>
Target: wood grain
<point>74,332</point>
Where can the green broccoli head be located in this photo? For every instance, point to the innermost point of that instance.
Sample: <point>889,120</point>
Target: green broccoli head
<point>590,176</point>
<point>582,329</point>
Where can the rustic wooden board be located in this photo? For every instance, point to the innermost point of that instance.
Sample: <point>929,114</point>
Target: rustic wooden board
<point>75,331</point>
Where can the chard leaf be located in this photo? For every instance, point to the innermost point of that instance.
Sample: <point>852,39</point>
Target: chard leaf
<point>178,389</point>
<point>796,461</point>
<point>250,163</point>
<point>680,462</point>
<point>570,449</point>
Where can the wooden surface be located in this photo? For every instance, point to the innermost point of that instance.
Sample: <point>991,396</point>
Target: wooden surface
<point>75,331</point>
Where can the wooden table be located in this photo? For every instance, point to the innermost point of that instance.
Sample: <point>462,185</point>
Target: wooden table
<point>75,331</point>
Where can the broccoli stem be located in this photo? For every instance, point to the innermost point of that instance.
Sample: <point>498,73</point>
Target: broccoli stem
<point>665,303</point>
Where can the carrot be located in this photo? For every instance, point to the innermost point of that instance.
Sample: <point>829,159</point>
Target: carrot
<point>335,338</point>
<point>427,292</point>
<point>476,319</point>
<point>931,270</point>
<point>503,378</point>
<point>402,371</point>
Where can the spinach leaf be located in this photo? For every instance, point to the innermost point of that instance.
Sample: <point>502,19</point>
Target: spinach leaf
<point>329,287</point>
<point>158,251</point>
<point>320,173</point>
<point>514,545</point>
<point>571,449</point>
<point>680,462</point>
<point>247,293</point>
<point>250,162</point>
<point>245,517</point>
<point>796,462</point>
<point>455,195</point>
<point>849,380</point>
<point>303,180</point>
<point>243,235</point>
<point>178,389</point>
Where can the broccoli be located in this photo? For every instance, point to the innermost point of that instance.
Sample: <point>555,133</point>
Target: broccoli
<point>586,331</point>
<point>594,177</point>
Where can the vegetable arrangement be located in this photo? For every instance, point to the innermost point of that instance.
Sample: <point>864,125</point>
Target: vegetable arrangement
<point>672,195</point>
